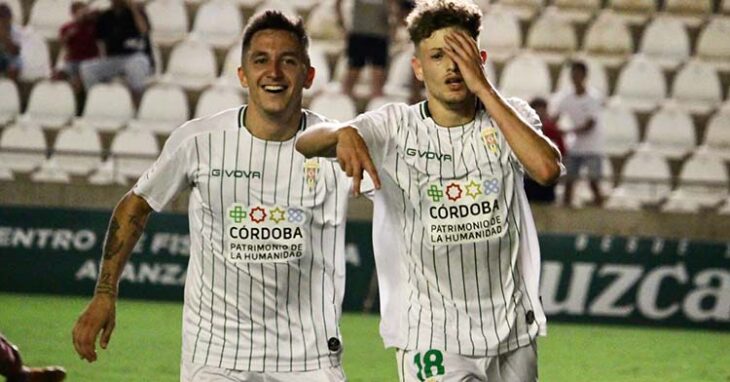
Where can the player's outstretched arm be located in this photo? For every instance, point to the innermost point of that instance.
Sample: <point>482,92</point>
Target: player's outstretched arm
<point>125,227</point>
<point>537,154</point>
<point>346,144</point>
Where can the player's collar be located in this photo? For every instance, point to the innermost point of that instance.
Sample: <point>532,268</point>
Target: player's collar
<point>425,112</point>
<point>242,118</point>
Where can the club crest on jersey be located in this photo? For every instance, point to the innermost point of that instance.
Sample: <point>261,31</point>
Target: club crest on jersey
<point>489,137</point>
<point>311,169</point>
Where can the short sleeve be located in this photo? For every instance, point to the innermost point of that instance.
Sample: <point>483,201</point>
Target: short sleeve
<point>377,128</point>
<point>166,177</point>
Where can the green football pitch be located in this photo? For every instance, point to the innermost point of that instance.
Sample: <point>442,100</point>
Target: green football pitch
<point>146,346</point>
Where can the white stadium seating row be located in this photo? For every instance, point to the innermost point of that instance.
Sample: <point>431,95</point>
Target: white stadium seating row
<point>660,62</point>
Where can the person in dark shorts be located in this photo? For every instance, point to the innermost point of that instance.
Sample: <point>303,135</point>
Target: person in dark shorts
<point>535,191</point>
<point>367,43</point>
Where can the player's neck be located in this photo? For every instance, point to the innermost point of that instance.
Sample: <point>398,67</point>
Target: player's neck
<point>452,115</point>
<point>280,127</point>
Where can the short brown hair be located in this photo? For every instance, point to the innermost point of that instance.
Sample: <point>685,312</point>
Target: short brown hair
<point>272,19</point>
<point>431,15</point>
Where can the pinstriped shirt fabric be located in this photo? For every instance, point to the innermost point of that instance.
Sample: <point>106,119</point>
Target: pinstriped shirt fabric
<point>454,237</point>
<point>266,273</point>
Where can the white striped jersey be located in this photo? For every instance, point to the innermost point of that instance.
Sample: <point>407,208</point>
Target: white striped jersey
<point>265,279</point>
<point>464,256</point>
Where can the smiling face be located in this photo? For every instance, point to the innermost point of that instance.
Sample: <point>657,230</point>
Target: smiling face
<point>440,74</point>
<point>275,69</point>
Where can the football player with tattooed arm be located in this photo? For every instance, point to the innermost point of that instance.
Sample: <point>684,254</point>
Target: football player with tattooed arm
<point>455,243</point>
<point>265,279</point>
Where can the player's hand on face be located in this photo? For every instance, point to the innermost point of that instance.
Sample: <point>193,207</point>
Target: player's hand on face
<point>354,157</point>
<point>463,49</point>
<point>98,317</point>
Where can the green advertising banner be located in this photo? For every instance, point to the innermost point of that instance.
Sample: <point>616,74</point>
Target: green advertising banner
<point>57,251</point>
<point>621,280</point>
<point>631,280</point>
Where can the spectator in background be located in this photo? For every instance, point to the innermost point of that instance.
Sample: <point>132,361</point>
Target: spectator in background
<point>12,368</point>
<point>123,39</point>
<point>78,37</point>
<point>367,42</point>
<point>582,106</point>
<point>10,63</point>
<point>535,191</point>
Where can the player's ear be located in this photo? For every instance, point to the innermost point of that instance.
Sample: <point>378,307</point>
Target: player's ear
<point>310,77</point>
<point>417,67</point>
<point>242,77</point>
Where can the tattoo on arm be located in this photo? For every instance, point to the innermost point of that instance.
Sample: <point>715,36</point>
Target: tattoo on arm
<point>106,285</point>
<point>138,223</point>
<point>112,246</point>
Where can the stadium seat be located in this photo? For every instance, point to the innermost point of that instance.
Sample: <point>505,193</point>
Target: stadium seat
<point>17,9</point>
<point>323,74</point>
<point>689,12</point>
<point>641,84</point>
<point>525,76</point>
<point>168,21</point>
<point>51,104</point>
<point>670,132</point>
<point>400,74</point>
<point>217,99</point>
<point>105,174</point>
<point>334,105</point>
<point>281,5</point>
<point>703,182</point>
<point>108,107</point>
<point>501,36</point>
<point>22,147</point>
<point>717,135</point>
<point>525,10</point>
<point>5,173</point>
<point>620,129</point>
<point>99,5</point>
<point>50,172</point>
<point>597,77</point>
<point>133,151</point>
<point>377,102</point>
<point>77,149</point>
<point>645,179</point>
<point>697,87</point>
<point>712,46</point>
<point>192,65</point>
<point>36,57</point>
<point>724,207</point>
<point>303,5</point>
<point>323,29</point>
<point>229,73</point>
<point>551,37</point>
<point>10,106</point>
<point>633,12</point>
<point>608,39</point>
<point>665,41</point>
<point>577,11</point>
<point>218,23</point>
<point>47,17</point>
<point>163,108</point>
